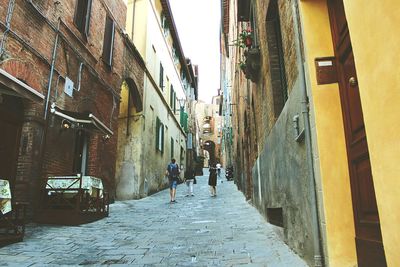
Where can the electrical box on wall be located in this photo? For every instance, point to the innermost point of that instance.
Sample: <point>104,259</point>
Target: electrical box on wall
<point>69,86</point>
<point>326,70</point>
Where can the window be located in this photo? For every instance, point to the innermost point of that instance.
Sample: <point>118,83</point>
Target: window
<point>172,148</point>
<point>161,80</point>
<point>276,58</point>
<point>82,16</point>
<point>159,136</point>
<point>172,99</point>
<point>108,43</point>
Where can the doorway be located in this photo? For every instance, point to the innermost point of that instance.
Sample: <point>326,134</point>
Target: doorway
<point>369,246</point>
<point>10,124</point>
<point>81,152</point>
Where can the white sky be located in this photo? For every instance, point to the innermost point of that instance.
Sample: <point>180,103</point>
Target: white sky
<point>198,24</point>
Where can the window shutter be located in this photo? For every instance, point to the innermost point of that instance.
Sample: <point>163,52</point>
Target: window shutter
<point>174,102</point>
<point>157,133</point>
<point>87,17</point>
<point>162,138</point>
<point>171,98</point>
<point>172,148</point>
<point>108,43</point>
<point>79,14</point>
<point>161,83</point>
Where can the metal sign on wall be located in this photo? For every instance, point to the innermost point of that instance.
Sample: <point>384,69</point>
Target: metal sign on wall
<point>189,141</point>
<point>69,86</point>
<point>326,70</point>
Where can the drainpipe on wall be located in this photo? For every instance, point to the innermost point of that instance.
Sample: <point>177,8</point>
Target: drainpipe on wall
<point>10,9</point>
<point>53,62</point>
<point>318,259</point>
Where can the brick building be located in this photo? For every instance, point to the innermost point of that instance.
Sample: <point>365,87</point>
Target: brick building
<point>315,140</point>
<point>62,65</point>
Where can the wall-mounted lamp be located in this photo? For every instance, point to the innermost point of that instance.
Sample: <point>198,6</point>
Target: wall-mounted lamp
<point>181,102</point>
<point>66,124</point>
<point>106,137</point>
<point>298,134</point>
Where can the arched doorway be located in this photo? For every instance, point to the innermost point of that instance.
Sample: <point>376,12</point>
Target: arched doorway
<point>130,182</point>
<point>209,146</point>
<point>11,114</point>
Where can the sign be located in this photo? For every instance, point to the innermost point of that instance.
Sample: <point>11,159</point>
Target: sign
<point>189,141</point>
<point>326,70</point>
<point>69,86</point>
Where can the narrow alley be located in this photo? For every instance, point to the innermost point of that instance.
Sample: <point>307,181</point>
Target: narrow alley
<point>196,231</point>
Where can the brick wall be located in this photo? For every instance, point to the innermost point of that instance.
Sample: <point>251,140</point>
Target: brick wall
<point>48,149</point>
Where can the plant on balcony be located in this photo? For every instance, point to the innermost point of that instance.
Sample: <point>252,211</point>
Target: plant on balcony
<point>244,39</point>
<point>252,64</point>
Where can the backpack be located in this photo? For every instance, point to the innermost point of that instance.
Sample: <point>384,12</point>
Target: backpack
<point>173,170</point>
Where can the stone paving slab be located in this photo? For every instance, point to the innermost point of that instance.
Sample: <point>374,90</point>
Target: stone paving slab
<point>196,231</point>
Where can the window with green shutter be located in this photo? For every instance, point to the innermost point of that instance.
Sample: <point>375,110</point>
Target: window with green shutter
<point>172,148</point>
<point>159,136</point>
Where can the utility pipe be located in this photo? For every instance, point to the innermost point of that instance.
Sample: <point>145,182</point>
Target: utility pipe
<point>53,60</point>
<point>318,259</point>
<point>10,9</point>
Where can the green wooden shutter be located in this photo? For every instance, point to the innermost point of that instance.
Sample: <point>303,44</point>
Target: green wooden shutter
<point>172,148</point>
<point>157,132</point>
<point>162,138</point>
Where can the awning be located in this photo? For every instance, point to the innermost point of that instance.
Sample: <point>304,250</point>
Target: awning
<point>81,120</point>
<point>9,85</point>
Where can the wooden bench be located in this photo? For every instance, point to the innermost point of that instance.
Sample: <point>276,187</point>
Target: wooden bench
<point>72,200</point>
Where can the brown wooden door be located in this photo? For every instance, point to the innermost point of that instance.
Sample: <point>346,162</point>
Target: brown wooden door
<point>368,238</point>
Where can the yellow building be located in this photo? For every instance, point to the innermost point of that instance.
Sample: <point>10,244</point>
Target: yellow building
<point>153,131</point>
<point>351,54</point>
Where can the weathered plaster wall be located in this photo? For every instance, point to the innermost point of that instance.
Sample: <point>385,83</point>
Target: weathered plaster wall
<point>284,177</point>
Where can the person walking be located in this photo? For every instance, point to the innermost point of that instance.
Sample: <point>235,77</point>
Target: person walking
<point>212,180</point>
<point>173,177</point>
<point>219,166</point>
<point>189,180</point>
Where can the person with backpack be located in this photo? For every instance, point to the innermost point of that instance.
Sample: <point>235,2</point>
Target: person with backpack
<point>173,178</point>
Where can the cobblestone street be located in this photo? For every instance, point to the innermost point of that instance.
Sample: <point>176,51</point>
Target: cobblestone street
<point>195,231</point>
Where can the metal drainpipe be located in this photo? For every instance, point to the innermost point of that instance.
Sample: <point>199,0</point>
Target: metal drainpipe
<point>318,259</point>
<point>53,59</point>
<point>10,10</point>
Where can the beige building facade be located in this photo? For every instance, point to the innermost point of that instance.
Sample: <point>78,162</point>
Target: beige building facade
<point>157,128</point>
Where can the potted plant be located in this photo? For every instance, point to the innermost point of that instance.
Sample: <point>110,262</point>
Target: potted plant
<point>253,65</point>
<point>246,38</point>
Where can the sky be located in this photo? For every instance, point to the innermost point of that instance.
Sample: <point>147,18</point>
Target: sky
<point>198,25</point>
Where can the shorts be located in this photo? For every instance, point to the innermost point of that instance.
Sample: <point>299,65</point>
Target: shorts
<point>173,184</point>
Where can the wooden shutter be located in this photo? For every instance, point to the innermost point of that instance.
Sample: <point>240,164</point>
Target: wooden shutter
<point>157,133</point>
<point>162,138</point>
<point>82,16</point>
<point>87,16</point>
<point>108,43</point>
<point>161,83</point>
<point>172,148</point>
<point>171,98</point>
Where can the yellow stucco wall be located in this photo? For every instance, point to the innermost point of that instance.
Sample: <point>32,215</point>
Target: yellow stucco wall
<point>375,35</point>
<point>333,166</point>
<point>140,23</point>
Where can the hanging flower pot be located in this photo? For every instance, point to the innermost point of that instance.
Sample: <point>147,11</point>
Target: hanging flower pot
<point>248,41</point>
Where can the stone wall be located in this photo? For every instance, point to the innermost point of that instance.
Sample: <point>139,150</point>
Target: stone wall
<point>271,167</point>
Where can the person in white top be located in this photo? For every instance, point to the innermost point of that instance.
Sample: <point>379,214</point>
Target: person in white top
<point>219,169</point>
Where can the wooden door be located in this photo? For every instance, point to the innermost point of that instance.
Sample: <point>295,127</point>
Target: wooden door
<point>368,237</point>
<point>10,130</point>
